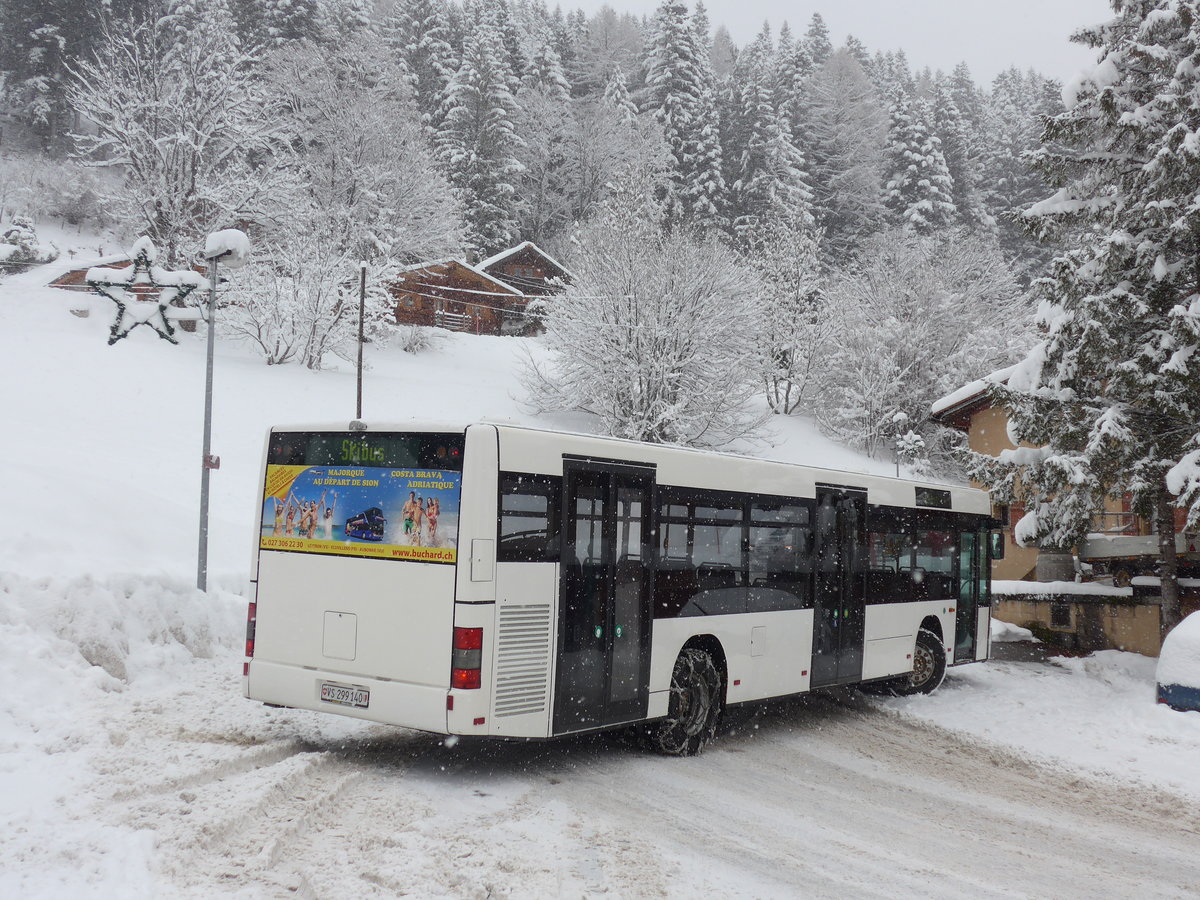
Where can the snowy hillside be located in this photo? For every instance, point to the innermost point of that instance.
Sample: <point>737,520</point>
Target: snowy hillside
<point>113,434</point>
<point>130,765</point>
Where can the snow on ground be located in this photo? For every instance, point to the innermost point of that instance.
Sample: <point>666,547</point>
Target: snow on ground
<point>1096,714</point>
<point>131,766</point>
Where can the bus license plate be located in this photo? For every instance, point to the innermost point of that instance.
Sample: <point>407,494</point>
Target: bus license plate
<point>346,696</point>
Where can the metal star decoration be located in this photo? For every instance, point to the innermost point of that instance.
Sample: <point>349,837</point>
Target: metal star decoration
<point>143,292</point>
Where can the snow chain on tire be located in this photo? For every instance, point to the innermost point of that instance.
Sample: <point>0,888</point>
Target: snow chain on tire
<point>694,708</point>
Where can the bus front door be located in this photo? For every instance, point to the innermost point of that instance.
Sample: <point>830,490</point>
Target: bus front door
<point>839,611</point>
<point>604,624</point>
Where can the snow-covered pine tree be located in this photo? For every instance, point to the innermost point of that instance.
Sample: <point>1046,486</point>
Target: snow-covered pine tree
<point>792,69</point>
<point>961,163</point>
<point>892,76</point>
<point>616,93</point>
<point>478,141</point>
<point>1012,185</point>
<point>858,50</point>
<point>418,33</point>
<point>290,20</point>
<point>816,40</point>
<point>764,171</point>
<point>680,85</point>
<point>845,136</point>
<point>512,42</point>
<point>544,71</point>
<point>1110,397</point>
<point>341,20</point>
<point>40,40</point>
<point>918,190</point>
<point>705,191</point>
<point>971,105</point>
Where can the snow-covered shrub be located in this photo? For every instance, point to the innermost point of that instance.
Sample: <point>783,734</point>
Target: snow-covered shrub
<point>299,300</point>
<point>416,338</point>
<point>658,336</point>
<point>42,188</point>
<point>786,258</point>
<point>19,244</point>
<point>914,319</point>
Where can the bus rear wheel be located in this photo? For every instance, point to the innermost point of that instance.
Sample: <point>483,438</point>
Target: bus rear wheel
<point>929,666</point>
<point>694,708</point>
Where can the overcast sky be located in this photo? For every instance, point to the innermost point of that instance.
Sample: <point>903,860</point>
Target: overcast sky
<point>989,35</point>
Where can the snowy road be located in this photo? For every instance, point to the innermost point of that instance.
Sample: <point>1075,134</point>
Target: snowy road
<point>819,797</point>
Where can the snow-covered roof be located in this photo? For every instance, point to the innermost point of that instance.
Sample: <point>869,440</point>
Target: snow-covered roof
<point>505,254</point>
<point>433,263</point>
<point>970,391</point>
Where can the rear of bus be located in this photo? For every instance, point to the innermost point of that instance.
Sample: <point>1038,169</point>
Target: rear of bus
<point>356,573</point>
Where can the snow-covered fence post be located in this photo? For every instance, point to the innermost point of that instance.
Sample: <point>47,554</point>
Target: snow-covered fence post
<point>233,247</point>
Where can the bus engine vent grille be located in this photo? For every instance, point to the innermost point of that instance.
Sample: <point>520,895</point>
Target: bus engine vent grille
<point>522,659</point>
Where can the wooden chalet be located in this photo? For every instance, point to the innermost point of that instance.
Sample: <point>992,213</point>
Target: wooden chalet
<point>451,294</point>
<point>528,268</point>
<point>486,298</point>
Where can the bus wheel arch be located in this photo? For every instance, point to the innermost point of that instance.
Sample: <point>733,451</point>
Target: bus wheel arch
<point>696,702</point>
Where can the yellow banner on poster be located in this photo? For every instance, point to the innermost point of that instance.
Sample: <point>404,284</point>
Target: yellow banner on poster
<point>280,480</point>
<point>370,551</point>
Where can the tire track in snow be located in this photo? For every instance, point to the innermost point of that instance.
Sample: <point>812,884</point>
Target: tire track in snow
<point>815,797</point>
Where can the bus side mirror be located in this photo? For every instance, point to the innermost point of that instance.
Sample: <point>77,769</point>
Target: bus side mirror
<point>997,538</point>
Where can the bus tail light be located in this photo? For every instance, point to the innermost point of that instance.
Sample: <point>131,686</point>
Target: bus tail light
<point>466,661</point>
<point>251,622</point>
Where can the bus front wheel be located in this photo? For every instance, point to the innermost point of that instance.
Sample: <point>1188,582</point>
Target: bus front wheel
<point>694,707</point>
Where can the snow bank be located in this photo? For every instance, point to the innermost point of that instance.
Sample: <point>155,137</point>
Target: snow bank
<point>68,638</point>
<point>1179,660</point>
<point>70,646</point>
<point>1006,632</point>
<point>1054,588</point>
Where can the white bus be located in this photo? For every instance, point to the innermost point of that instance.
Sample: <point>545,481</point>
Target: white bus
<point>513,582</point>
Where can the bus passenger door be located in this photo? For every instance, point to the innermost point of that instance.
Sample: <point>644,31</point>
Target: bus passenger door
<point>966,616</point>
<point>839,611</point>
<point>604,608</point>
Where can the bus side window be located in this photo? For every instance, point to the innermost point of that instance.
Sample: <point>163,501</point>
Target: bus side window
<point>529,518</point>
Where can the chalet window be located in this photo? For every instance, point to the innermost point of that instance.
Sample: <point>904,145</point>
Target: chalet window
<point>1060,615</point>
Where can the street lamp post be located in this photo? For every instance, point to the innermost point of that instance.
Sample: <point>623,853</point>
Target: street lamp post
<point>362,310</point>
<point>233,247</point>
<point>208,461</point>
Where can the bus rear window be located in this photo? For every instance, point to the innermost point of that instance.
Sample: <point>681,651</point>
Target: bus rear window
<point>325,448</point>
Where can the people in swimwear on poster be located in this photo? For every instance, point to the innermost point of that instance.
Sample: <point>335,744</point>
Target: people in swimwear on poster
<point>421,520</point>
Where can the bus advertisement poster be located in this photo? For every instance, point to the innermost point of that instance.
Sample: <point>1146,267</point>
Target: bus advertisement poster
<point>373,512</point>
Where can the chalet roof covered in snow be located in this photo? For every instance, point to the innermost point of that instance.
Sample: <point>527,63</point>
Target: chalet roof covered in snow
<point>529,246</point>
<point>968,398</point>
<point>432,266</point>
